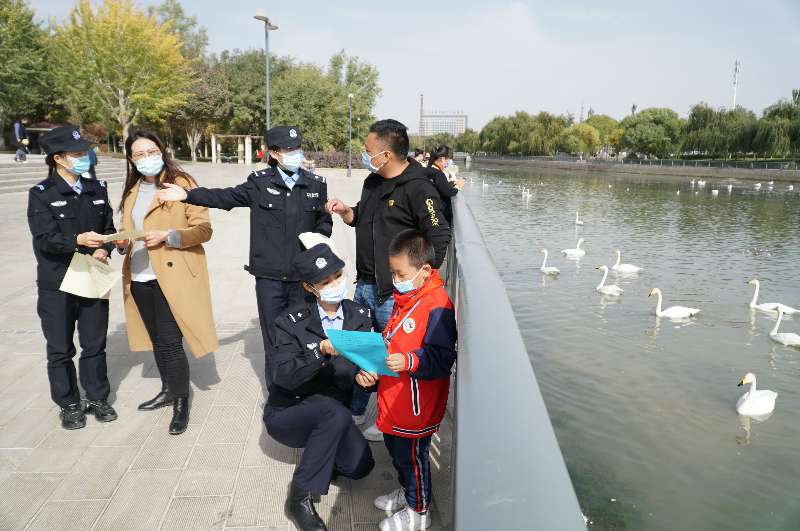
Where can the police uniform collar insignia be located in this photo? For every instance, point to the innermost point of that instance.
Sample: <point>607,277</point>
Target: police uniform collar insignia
<point>321,263</point>
<point>361,311</point>
<point>102,183</point>
<point>40,187</point>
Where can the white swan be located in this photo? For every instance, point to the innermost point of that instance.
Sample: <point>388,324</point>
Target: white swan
<point>673,312</point>
<point>757,186</point>
<point>790,188</point>
<point>730,188</point>
<point>784,338</point>
<point>771,307</point>
<point>624,268</point>
<point>715,192</point>
<point>548,270</point>
<point>612,289</point>
<point>578,219</point>
<point>576,252</point>
<point>755,402</point>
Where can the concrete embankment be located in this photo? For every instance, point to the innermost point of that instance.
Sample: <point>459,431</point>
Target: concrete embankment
<point>755,174</point>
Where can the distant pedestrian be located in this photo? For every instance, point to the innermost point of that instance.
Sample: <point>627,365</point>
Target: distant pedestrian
<point>20,140</point>
<point>419,155</point>
<point>447,186</point>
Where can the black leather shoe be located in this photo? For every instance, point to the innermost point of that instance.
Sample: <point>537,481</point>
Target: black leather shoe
<point>72,417</point>
<point>102,410</point>
<point>162,399</point>
<point>180,415</point>
<point>300,510</point>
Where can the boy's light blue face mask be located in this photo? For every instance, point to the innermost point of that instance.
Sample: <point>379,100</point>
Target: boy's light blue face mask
<point>405,286</point>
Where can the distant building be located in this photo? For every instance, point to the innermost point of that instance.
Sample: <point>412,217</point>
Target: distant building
<point>434,122</point>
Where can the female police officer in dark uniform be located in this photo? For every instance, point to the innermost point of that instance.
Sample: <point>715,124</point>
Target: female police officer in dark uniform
<point>309,403</point>
<point>285,201</point>
<point>68,214</point>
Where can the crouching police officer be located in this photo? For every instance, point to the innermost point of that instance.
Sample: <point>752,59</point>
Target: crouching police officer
<point>285,201</point>
<point>309,404</point>
<point>68,213</point>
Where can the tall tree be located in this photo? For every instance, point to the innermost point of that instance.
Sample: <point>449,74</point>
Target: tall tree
<point>124,64</point>
<point>653,131</point>
<point>23,72</point>
<point>193,37</point>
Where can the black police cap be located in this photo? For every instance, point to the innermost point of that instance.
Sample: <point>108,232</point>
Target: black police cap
<point>64,139</point>
<point>317,263</point>
<point>284,137</point>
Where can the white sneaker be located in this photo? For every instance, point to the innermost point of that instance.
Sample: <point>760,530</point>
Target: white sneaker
<point>373,434</point>
<point>406,520</point>
<point>359,419</point>
<point>394,501</point>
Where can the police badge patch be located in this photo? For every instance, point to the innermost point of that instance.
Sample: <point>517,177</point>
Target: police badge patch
<point>321,263</point>
<point>76,135</point>
<point>292,133</point>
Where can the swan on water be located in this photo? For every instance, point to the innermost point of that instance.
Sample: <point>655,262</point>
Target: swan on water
<point>576,252</point>
<point>611,289</point>
<point>771,307</point>
<point>730,188</point>
<point>789,339</point>
<point>715,193</point>
<point>701,183</point>
<point>624,268</point>
<point>757,186</point>
<point>673,312</point>
<point>678,192</point>
<point>755,401</point>
<point>484,184</point>
<point>578,220</point>
<point>545,269</point>
<point>790,188</point>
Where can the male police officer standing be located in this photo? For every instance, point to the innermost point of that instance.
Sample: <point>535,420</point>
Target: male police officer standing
<point>285,201</point>
<point>70,214</point>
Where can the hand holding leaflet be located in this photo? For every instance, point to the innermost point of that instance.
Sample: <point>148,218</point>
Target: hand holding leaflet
<point>366,349</point>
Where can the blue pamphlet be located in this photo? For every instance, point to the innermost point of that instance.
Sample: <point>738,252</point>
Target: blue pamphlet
<point>365,349</point>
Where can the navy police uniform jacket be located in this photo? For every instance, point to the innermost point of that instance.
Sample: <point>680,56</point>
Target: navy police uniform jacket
<point>56,215</point>
<point>277,216</point>
<point>388,207</point>
<point>300,369</point>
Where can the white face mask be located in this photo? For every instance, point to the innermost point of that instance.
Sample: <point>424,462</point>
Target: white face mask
<point>334,294</point>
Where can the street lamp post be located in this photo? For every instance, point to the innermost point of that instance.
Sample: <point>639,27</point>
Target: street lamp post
<point>350,136</point>
<point>267,26</point>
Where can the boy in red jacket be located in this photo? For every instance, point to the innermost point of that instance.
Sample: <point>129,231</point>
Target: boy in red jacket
<point>421,338</point>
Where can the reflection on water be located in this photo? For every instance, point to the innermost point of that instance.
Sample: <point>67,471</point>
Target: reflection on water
<point>644,407</point>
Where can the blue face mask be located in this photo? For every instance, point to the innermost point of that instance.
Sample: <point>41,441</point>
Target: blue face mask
<point>292,160</point>
<point>405,286</point>
<point>366,161</point>
<point>334,294</point>
<point>80,165</point>
<point>150,166</point>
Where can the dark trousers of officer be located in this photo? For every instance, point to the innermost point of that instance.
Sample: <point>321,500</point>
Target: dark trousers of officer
<point>410,458</point>
<point>59,311</point>
<point>274,297</point>
<point>333,444</point>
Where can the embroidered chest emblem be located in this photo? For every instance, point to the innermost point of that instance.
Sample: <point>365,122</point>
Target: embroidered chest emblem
<point>312,194</point>
<point>99,201</point>
<point>58,203</point>
<point>409,325</point>
<point>273,191</point>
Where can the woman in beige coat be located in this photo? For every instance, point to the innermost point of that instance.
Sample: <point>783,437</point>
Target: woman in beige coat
<point>165,278</point>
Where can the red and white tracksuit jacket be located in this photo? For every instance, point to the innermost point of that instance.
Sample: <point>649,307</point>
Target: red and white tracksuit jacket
<point>422,327</point>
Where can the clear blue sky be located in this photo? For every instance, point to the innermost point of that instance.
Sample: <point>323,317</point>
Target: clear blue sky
<point>490,58</point>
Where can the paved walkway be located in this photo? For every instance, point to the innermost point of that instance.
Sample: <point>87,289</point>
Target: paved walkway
<point>225,472</point>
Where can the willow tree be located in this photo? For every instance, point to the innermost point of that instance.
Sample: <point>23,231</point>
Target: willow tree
<point>120,63</point>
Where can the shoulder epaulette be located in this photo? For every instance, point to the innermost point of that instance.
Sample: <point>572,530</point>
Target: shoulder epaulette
<point>320,178</point>
<point>42,186</point>
<point>102,183</point>
<point>297,316</point>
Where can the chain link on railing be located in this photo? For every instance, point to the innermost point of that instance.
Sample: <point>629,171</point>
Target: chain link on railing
<point>784,165</point>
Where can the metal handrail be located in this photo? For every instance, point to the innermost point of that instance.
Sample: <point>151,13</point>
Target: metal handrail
<point>509,473</point>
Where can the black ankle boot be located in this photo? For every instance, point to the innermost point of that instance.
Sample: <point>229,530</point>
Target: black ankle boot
<point>300,510</point>
<point>164,398</point>
<point>180,415</point>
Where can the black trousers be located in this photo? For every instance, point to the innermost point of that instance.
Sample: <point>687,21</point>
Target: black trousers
<point>410,458</point>
<point>165,335</point>
<point>273,298</point>
<point>59,312</point>
<point>333,443</point>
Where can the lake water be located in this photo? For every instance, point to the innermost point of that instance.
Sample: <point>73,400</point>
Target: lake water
<point>644,409</point>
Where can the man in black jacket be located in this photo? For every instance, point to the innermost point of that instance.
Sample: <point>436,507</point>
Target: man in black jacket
<point>396,196</point>
<point>284,201</point>
<point>308,406</point>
